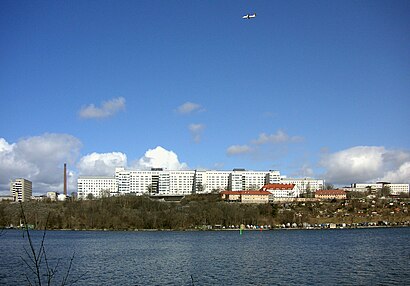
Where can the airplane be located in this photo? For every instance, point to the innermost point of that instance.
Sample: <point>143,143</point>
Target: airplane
<point>249,16</point>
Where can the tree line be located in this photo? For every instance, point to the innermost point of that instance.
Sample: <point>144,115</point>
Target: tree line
<point>137,212</point>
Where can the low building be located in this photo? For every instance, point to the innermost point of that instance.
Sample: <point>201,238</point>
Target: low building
<point>21,190</point>
<point>52,196</point>
<point>330,194</point>
<point>6,198</point>
<point>231,196</point>
<point>256,197</point>
<point>282,190</point>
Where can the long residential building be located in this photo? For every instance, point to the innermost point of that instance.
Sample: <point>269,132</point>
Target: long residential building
<point>395,189</point>
<point>160,182</point>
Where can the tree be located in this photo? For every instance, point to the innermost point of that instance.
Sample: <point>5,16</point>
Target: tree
<point>385,191</point>
<point>40,270</point>
<point>149,189</point>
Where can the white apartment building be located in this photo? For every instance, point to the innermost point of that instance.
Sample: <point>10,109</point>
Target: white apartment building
<point>212,181</point>
<point>395,189</point>
<point>21,190</point>
<point>184,182</point>
<point>96,186</point>
<point>242,180</point>
<point>305,184</point>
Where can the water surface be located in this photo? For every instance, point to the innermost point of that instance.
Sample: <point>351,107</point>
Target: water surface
<point>279,257</point>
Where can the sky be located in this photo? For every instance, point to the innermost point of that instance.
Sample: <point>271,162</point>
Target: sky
<point>310,88</point>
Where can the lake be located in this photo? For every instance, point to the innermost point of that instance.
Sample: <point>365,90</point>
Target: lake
<point>378,256</point>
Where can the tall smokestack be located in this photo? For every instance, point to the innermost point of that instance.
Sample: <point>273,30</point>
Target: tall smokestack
<point>65,179</point>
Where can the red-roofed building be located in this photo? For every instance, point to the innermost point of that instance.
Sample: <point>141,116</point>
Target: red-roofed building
<point>330,194</point>
<point>258,197</point>
<point>282,190</point>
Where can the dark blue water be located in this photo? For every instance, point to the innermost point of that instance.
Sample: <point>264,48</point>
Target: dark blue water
<point>282,257</point>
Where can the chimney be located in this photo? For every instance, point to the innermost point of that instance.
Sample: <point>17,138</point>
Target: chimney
<point>65,179</point>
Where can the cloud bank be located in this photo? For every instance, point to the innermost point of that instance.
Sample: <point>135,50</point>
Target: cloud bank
<point>366,164</point>
<point>101,164</point>
<point>107,109</point>
<point>159,158</point>
<point>39,159</point>
<point>280,137</point>
<point>238,149</point>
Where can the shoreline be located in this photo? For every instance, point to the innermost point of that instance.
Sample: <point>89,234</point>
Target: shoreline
<point>226,229</point>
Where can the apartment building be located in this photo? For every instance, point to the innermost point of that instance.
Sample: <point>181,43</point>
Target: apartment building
<point>97,186</point>
<point>395,189</point>
<point>241,179</point>
<point>21,190</point>
<point>305,184</point>
<point>160,182</point>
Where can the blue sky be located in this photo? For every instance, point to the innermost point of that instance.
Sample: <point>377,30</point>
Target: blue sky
<point>311,88</point>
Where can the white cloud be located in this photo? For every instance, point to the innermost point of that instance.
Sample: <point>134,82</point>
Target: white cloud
<point>101,164</point>
<point>108,108</point>
<point>270,141</point>
<point>367,164</point>
<point>400,175</point>
<point>39,159</point>
<point>160,158</point>
<point>188,107</point>
<point>238,149</point>
<point>278,137</point>
<point>196,131</point>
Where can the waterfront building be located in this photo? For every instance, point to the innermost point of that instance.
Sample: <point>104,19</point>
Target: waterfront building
<point>21,190</point>
<point>282,190</point>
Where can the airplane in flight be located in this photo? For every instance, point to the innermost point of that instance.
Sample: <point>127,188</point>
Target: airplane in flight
<point>249,16</point>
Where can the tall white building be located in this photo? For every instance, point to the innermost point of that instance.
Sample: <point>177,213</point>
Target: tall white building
<point>242,180</point>
<point>21,190</point>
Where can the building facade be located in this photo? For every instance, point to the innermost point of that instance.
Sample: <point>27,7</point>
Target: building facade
<point>21,190</point>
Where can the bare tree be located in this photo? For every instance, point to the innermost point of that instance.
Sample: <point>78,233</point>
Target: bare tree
<point>40,270</point>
